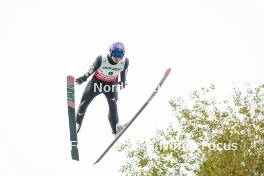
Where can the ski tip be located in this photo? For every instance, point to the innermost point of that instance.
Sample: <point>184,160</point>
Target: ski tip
<point>168,71</point>
<point>70,79</point>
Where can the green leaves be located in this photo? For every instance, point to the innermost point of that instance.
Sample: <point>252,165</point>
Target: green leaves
<point>209,137</point>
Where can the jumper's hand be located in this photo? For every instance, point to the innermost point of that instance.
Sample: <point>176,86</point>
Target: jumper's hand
<point>81,79</point>
<point>122,85</point>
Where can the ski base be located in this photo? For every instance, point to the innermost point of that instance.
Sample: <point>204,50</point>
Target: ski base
<point>71,115</point>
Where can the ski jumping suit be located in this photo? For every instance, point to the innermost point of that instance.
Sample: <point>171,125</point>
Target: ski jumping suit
<point>104,80</point>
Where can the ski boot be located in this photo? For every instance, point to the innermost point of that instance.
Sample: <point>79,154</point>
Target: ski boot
<point>119,128</point>
<point>78,127</point>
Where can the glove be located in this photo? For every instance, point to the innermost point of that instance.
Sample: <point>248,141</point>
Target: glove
<point>122,85</point>
<point>81,79</point>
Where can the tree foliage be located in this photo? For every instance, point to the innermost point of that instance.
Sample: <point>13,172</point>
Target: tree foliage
<point>209,138</point>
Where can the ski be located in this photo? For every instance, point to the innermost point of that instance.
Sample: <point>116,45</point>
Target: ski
<point>71,114</point>
<point>135,116</point>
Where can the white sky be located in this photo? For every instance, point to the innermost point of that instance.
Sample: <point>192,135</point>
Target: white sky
<point>41,42</point>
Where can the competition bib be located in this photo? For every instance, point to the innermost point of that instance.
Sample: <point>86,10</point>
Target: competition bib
<point>108,72</point>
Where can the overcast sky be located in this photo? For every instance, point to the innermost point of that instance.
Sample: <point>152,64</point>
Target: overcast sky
<point>41,42</point>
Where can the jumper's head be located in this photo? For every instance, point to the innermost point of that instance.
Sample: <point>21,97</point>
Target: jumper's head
<point>117,49</point>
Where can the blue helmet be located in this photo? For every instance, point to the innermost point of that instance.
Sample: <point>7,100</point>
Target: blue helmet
<point>117,49</point>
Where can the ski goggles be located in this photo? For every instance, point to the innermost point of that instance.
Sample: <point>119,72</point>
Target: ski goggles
<point>118,54</point>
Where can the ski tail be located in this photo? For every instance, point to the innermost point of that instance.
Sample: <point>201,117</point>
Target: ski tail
<point>136,115</point>
<point>71,115</point>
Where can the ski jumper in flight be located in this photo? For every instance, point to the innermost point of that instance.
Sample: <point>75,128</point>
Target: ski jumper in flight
<point>109,73</point>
